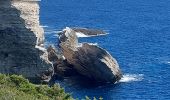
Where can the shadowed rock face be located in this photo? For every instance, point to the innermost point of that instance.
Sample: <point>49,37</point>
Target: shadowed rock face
<point>89,60</point>
<point>61,67</point>
<point>21,39</point>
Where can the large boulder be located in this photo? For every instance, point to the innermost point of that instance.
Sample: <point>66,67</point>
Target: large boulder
<point>89,60</point>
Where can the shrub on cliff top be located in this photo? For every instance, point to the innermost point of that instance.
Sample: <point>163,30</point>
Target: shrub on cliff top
<point>18,88</point>
<point>14,87</point>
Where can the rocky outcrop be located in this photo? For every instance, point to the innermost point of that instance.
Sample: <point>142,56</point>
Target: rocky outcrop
<point>89,60</point>
<point>61,67</point>
<point>21,39</point>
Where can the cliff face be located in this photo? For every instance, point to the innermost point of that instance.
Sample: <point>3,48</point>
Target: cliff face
<point>21,39</point>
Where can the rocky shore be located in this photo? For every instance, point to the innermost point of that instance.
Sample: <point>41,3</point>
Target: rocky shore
<point>21,39</point>
<point>89,60</point>
<point>22,51</point>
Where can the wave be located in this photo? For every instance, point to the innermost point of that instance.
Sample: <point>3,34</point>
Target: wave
<point>44,26</point>
<point>80,44</point>
<point>79,34</point>
<point>163,60</point>
<point>93,43</point>
<point>131,78</point>
<point>40,48</point>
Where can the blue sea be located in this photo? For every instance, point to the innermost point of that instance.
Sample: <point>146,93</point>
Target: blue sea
<point>138,37</point>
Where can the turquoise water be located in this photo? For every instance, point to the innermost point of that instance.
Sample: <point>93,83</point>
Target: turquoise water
<point>139,38</point>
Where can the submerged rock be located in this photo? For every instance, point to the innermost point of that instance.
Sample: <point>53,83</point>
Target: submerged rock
<point>89,60</point>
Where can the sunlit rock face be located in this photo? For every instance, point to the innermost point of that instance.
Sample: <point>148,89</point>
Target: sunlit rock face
<point>89,60</point>
<point>21,39</point>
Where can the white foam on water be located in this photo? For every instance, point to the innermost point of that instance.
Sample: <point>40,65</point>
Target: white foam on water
<point>43,26</point>
<point>55,35</point>
<point>79,34</point>
<point>79,45</point>
<point>40,48</point>
<point>131,78</point>
<point>93,43</point>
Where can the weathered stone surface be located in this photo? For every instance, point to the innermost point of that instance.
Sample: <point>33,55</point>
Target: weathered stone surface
<point>89,60</point>
<point>61,67</point>
<point>21,39</point>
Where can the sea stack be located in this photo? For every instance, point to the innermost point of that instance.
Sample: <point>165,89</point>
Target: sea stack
<point>89,60</point>
<point>21,39</point>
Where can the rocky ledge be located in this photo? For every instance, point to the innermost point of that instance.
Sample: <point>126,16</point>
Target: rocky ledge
<point>89,60</point>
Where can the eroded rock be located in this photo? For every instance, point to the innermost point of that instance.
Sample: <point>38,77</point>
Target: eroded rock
<point>61,67</point>
<point>89,60</point>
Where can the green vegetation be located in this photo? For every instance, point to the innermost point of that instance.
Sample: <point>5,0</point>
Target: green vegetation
<point>18,88</point>
<point>14,87</point>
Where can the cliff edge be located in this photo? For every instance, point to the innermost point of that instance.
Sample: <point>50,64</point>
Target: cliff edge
<point>21,40</point>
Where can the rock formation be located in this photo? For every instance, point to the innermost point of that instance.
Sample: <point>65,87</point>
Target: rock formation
<point>22,51</point>
<point>89,60</point>
<point>61,67</point>
<point>21,39</point>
